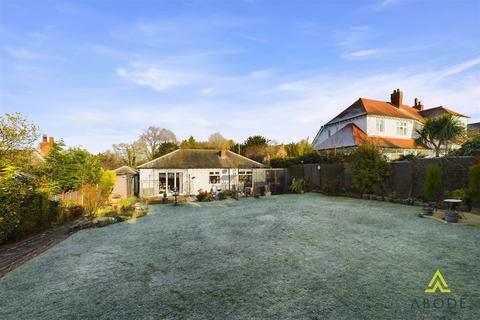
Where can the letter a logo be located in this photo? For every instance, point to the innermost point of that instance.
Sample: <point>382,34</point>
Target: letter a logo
<point>437,283</point>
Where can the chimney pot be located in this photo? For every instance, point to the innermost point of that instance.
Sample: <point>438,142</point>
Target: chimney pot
<point>396,98</point>
<point>418,105</point>
<point>223,153</point>
<point>46,145</point>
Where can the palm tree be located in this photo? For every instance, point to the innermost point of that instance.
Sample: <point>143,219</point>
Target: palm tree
<point>438,132</point>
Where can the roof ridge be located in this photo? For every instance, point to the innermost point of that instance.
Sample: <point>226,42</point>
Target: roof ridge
<point>142,165</point>
<point>237,154</point>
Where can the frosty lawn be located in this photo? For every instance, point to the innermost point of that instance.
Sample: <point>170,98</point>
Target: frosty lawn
<point>307,256</point>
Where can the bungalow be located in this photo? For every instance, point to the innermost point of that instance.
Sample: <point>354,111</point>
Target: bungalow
<point>191,170</point>
<point>391,125</point>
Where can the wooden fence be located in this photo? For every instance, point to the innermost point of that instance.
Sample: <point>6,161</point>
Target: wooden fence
<point>75,196</point>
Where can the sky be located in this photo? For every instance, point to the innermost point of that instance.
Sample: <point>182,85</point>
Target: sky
<point>99,72</point>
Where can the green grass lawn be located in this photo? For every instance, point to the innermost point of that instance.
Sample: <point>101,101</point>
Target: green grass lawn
<point>283,257</point>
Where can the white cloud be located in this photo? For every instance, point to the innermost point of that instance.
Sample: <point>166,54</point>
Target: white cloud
<point>386,3</point>
<point>285,110</point>
<point>157,78</point>
<point>262,74</point>
<point>459,67</point>
<point>27,54</point>
<point>362,54</point>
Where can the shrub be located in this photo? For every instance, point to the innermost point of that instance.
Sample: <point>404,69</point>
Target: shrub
<point>369,170</point>
<point>205,196</point>
<point>474,183</point>
<point>461,194</point>
<point>433,187</point>
<point>332,188</point>
<point>223,195</point>
<point>107,182</point>
<point>12,192</point>
<point>410,156</point>
<point>93,200</point>
<point>36,213</point>
<point>69,209</point>
<point>128,203</point>
<point>469,147</point>
<point>298,186</point>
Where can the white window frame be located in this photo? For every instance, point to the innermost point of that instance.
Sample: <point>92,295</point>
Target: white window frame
<point>402,128</point>
<point>215,175</point>
<point>380,125</point>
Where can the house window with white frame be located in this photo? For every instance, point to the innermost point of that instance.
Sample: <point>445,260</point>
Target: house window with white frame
<point>402,128</point>
<point>380,125</point>
<point>214,177</point>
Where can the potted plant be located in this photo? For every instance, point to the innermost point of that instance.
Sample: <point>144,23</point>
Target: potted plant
<point>451,216</point>
<point>268,193</point>
<point>429,209</point>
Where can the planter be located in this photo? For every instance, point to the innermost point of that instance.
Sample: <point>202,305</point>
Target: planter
<point>451,216</point>
<point>428,211</point>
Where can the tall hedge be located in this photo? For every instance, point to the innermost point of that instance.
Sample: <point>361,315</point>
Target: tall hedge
<point>23,210</point>
<point>474,183</point>
<point>369,170</point>
<point>433,186</point>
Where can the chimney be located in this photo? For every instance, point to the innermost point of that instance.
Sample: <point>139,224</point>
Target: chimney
<point>46,145</point>
<point>396,98</point>
<point>418,105</point>
<point>223,154</point>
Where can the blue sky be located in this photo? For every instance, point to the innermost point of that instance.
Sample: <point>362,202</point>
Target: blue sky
<point>99,72</point>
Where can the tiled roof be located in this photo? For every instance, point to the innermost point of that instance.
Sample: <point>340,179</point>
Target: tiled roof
<point>351,135</point>
<point>200,158</point>
<point>440,109</point>
<point>381,108</point>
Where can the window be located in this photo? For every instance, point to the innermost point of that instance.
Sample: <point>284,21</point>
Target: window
<point>245,177</point>
<point>380,125</point>
<point>214,177</point>
<point>169,180</point>
<point>162,181</point>
<point>402,128</point>
<point>329,133</point>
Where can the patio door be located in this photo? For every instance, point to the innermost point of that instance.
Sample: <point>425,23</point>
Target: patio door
<point>170,180</point>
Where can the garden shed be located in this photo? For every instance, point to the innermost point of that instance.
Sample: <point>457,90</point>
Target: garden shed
<point>126,183</point>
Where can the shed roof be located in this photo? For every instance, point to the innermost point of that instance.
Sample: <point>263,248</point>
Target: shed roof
<point>124,170</point>
<point>199,159</point>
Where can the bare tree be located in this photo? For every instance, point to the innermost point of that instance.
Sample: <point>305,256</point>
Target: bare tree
<point>217,141</point>
<point>130,153</point>
<point>153,137</point>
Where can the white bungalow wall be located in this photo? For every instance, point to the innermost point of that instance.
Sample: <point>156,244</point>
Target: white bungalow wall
<point>192,180</point>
